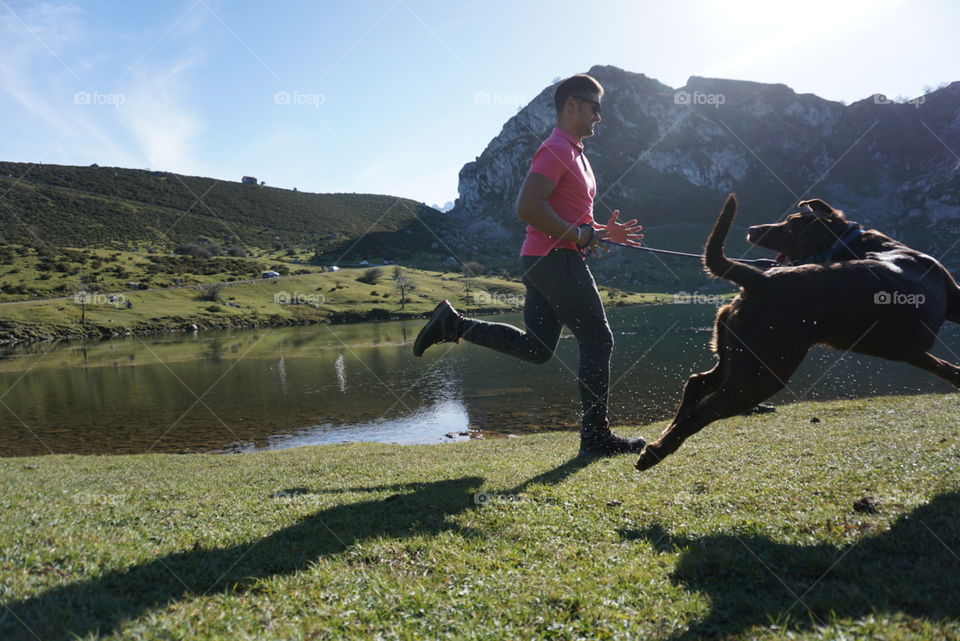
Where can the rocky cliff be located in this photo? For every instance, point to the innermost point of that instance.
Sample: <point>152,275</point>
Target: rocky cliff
<point>667,156</point>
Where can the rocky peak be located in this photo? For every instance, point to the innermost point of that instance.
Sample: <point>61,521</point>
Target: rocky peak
<point>669,155</point>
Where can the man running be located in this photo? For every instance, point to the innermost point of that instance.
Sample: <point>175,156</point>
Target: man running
<point>556,202</point>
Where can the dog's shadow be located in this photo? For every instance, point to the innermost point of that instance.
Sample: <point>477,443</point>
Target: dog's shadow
<point>101,605</point>
<point>751,580</point>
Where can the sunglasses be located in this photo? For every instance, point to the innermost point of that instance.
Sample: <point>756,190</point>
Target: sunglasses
<point>596,105</point>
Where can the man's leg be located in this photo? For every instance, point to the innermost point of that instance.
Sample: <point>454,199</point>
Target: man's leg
<point>535,345</point>
<point>569,288</point>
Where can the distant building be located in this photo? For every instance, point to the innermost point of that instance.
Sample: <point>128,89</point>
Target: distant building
<point>248,180</point>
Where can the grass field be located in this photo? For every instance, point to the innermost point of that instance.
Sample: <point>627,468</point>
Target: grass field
<point>28,272</point>
<point>749,531</point>
<point>307,298</point>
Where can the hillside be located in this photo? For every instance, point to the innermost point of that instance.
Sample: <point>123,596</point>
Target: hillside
<point>116,208</point>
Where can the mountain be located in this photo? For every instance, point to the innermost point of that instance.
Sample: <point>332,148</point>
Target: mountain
<point>120,208</point>
<point>447,206</point>
<point>668,156</point>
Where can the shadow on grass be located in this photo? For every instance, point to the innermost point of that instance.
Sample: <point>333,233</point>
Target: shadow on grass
<point>752,580</point>
<point>101,605</point>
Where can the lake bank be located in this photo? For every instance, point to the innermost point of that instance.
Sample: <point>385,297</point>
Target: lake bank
<point>749,531</point>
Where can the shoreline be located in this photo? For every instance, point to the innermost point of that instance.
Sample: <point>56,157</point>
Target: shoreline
<point>377,315</point>
<point>14,333</point>
<point>780,410</point>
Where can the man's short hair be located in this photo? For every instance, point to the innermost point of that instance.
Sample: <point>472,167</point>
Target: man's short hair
<point>578,85</point>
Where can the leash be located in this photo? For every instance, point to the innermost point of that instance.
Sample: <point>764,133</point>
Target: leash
<point>762,263</point>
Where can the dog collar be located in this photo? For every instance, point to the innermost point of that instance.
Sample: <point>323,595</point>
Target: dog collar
<point>851,234</point>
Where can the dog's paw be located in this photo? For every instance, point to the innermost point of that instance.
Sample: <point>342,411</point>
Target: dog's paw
<point>648,458</point>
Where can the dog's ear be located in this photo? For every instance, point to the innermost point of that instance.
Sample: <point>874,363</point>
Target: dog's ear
<point>818,207</point>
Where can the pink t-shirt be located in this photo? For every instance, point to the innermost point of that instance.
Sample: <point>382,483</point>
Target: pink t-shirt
<point>560,158</point>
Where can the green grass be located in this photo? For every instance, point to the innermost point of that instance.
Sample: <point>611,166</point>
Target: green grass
<point>26,274</point>
<point>747,532</point>
<point>322,296</point>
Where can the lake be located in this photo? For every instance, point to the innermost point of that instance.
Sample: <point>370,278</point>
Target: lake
<point>276,388</point>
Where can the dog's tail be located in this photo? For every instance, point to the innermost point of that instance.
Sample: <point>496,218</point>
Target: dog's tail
<point>721,266</point>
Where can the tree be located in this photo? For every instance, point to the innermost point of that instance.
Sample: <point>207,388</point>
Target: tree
<point>468,286</point>
<point>402,284</point>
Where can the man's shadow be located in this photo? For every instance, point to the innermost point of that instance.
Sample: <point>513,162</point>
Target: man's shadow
<point>101,605</point>
<point>752,580</point>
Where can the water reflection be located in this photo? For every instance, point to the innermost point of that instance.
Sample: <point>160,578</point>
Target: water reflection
<point>278,388</point>
<point>446,420</point>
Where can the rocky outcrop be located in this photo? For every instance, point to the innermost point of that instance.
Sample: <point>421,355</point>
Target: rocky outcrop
<point>667,156</point>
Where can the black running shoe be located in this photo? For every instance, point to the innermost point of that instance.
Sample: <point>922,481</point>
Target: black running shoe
<point>609,444</point>
<point>443,327</point>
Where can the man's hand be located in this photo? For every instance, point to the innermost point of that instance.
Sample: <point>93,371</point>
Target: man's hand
<point>623,233</point>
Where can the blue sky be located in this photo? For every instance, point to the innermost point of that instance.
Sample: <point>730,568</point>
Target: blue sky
<point>394,96</point>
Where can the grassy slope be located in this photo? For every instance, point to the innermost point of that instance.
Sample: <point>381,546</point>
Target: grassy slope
<point>122,208</point>
<point>747,532</point>
<point>338,296</point>
<point>113,270</point>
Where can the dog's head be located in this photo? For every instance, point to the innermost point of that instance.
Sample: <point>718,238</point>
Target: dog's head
<point>815,228</point>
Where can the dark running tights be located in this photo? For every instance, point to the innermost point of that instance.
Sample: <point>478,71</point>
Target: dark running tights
<point>560,291</point>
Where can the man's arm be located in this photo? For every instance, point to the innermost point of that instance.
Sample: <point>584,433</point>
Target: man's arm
<point>532,208</point>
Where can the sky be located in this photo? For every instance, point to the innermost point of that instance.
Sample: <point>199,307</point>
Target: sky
<point>395,96</point>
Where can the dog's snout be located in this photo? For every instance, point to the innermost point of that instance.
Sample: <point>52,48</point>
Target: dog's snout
<point>753,233</point>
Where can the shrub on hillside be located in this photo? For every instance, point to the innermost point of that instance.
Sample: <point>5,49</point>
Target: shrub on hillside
<point>371,276</point>
<point>19,290</point>
<point>474,268</point>
<point>201,266</point>
<point>196,249</point>
<point>210,294</point>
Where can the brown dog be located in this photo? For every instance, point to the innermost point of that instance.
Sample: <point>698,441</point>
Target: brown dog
<point>846,288</point>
